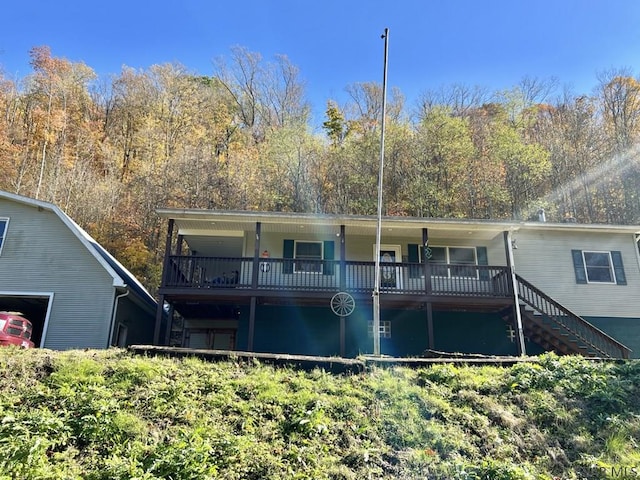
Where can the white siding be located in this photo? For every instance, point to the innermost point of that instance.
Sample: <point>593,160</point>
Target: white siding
<point>41,253</point>
<point>360,248</point>
<point>544,259</point>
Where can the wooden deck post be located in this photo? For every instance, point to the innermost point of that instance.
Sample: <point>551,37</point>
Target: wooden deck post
<point>343,259</point>
<point>252,323</point>
<point>163,282</point>
<point>256,257</point>
<point>425,261</point>
<point>432,342</point>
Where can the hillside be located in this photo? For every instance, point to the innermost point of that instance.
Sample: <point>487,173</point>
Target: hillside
<point>111,151</point>
<point>112,415</point>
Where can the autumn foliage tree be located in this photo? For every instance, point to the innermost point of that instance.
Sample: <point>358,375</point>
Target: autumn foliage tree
<point>110,151</point>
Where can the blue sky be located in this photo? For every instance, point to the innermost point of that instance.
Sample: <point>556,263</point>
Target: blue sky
<point>335,43</point>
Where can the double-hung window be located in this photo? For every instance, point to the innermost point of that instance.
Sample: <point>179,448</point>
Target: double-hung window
<point>308,257</point>
<point>454,261</point>
<point>596,266</point>
<point>4,223</point>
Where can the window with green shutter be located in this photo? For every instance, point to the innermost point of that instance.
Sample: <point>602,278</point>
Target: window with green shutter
<point>595,266</point>
<point>302,256</point>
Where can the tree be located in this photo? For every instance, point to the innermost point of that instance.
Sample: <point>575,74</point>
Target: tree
<point>266,95</point>
<point>442,151</point>
<point>620,99</point>
<point>458,99</point>
<point>334,125</point>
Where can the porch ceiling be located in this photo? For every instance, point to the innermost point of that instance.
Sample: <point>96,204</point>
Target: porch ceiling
<point>208,223</point>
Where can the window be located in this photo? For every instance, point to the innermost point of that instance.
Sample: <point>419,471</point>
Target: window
<point>457,259</point>
<point>308,257</point>
<point>593,266</point>
<point>385,329</point>
<point>598,267</point>
<point>4,223</point>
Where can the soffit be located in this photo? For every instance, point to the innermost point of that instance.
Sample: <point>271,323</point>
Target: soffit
<point>190,225</point>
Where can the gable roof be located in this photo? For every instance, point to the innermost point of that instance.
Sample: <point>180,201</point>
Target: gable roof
<point>122,278</point>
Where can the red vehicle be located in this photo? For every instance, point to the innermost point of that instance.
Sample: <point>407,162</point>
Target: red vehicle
<point>15,330</point>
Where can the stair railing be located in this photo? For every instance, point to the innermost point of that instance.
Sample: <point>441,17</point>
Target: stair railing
<point>565,320</point>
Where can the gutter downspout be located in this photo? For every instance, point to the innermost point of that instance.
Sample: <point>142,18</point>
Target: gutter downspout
<point>113,316</point>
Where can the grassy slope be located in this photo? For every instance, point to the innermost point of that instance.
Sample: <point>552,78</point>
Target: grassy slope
<point>106,415</point>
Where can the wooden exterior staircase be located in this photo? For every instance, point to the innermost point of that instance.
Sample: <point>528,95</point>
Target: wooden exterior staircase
<point>556,328</point>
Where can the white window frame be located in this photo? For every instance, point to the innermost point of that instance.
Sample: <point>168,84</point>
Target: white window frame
<point>297,260</point>
<point>4,233</point>
<point>385,329</point>
<point>447,263</point>
<point>612,270</point>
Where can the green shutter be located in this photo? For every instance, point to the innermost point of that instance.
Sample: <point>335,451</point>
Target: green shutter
<point>287,253</point>
<point>616,257</point>
<point>481,256</point>
<point>578,266</point>
<point>329,256</point>
<point>414,258</point>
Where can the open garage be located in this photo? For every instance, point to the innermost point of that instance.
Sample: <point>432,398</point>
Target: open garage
<point>33,306</point>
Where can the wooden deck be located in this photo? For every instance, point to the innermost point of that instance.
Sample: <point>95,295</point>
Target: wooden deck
<point>194,284</point>
<point>236,278</point>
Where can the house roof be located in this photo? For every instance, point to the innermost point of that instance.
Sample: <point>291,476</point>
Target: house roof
<point>194,222</point>
<point>122,278</point>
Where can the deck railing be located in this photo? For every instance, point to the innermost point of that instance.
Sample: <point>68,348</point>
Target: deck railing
<point>275,274</point>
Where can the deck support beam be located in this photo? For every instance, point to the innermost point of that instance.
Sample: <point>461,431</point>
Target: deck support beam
<point>432,343</point>
<point>252,323</point>
<point>163,282</point>
<point>256,257</point>
<point>425,261</point>
<point>343,258</point>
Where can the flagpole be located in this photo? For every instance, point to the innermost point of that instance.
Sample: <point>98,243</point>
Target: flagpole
<point>376,288</point>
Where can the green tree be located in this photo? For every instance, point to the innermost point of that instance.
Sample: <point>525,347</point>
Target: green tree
<point>334,125</point>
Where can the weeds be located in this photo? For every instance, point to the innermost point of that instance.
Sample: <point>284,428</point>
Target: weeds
<point>109,415</point>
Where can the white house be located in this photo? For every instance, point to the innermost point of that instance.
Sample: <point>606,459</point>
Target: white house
<point>271,281</point>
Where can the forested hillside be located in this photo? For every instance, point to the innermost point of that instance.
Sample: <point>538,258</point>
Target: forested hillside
<point>109,151</point>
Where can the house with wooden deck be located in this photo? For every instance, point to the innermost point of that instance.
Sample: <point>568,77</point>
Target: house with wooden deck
<point>74,292</point>
<point>302,284</point>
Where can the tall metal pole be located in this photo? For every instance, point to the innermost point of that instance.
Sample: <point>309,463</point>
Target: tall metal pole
<point>516,296</point>
<point>376,288</point>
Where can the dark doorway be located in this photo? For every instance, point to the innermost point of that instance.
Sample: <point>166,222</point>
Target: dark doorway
<point>32,307</point>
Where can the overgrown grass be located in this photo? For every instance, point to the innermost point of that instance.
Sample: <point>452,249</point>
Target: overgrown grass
<point>111,415</point>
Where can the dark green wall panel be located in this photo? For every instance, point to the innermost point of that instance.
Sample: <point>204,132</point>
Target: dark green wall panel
<point>466,332</point>
<point>316,331</point>
<point>296,330</point>
<point>624,330</point>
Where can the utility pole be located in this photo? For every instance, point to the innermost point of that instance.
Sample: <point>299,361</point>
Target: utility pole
<point>376,288</point>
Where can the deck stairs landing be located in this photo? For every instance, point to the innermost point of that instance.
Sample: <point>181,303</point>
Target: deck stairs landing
<point>555,328</point>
